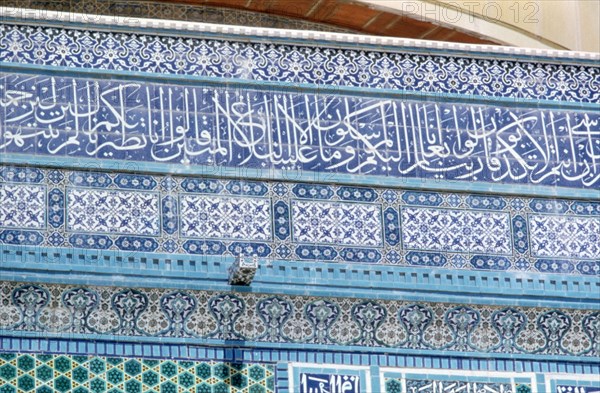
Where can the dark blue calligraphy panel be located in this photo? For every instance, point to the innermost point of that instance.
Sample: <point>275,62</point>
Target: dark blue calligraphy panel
<point>72,118</point>
<point>329,383</point>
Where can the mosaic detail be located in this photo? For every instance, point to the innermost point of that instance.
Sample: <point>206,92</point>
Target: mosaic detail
<point>298,64</point>
<point>46,373</point>
<point>300,221</point>
<point>321,383</point>
<point>263,130</point>
<point>250,317</point>
<point>225,218</point>
<point>113,212</point>
<point>429,385</point>
<point>560,236</point>
<point>456,230</point>
<point>415,385</point>
<point>23,206</point>
<point>336,223</point>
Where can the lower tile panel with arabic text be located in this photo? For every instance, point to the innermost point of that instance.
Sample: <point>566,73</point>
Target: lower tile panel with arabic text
<point>277,220</point>
<point>41,372</point>
<point>201,317</point>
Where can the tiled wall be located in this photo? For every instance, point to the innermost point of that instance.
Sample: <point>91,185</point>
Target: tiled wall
<point>298,221</point>
<point>320,64</point>
<point>414,382</point>
<point>128,313</point>
<point>50,373</point>
<point>260,129</point>
<point>368,121</point>
<point>41,372</point>
<point>421,380</point>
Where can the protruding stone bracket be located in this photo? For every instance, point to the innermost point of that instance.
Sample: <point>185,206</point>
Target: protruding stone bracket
<point>242,271</point>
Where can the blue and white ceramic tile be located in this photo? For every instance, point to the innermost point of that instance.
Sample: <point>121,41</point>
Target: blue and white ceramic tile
<point>225,218</point>
<point>456,230</point>
<point>23,206</point>
<point>565,237</point>
<point>261,130</point>
<point>104,211</point>
<point>300,221</point>
<point>367,69</point>
<point>455,381</point>
<point>249,318</point>
<point>311,382</point>
<point>337,223</point>
<point>576,389</point>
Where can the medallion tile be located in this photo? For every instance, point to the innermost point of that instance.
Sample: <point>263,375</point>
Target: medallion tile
<point>12,236</point>
<point>197,315</point>
<point>416,258</point>
<point>21,175</point>
<point>489,262</point>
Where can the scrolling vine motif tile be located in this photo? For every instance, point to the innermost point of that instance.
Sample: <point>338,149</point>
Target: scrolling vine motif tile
<point>278,220</point>
<point>298,64</point>
<point>252,317</point>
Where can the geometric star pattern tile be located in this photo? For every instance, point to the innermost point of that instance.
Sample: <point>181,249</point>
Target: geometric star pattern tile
<point>45,373</point>
<point>560,236</point>
<point>223,218</point>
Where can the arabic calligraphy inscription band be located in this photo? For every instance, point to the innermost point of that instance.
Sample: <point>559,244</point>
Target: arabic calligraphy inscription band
<point>68,118</point>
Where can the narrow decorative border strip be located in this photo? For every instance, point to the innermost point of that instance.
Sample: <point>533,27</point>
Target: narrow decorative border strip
<point>31,14</point>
